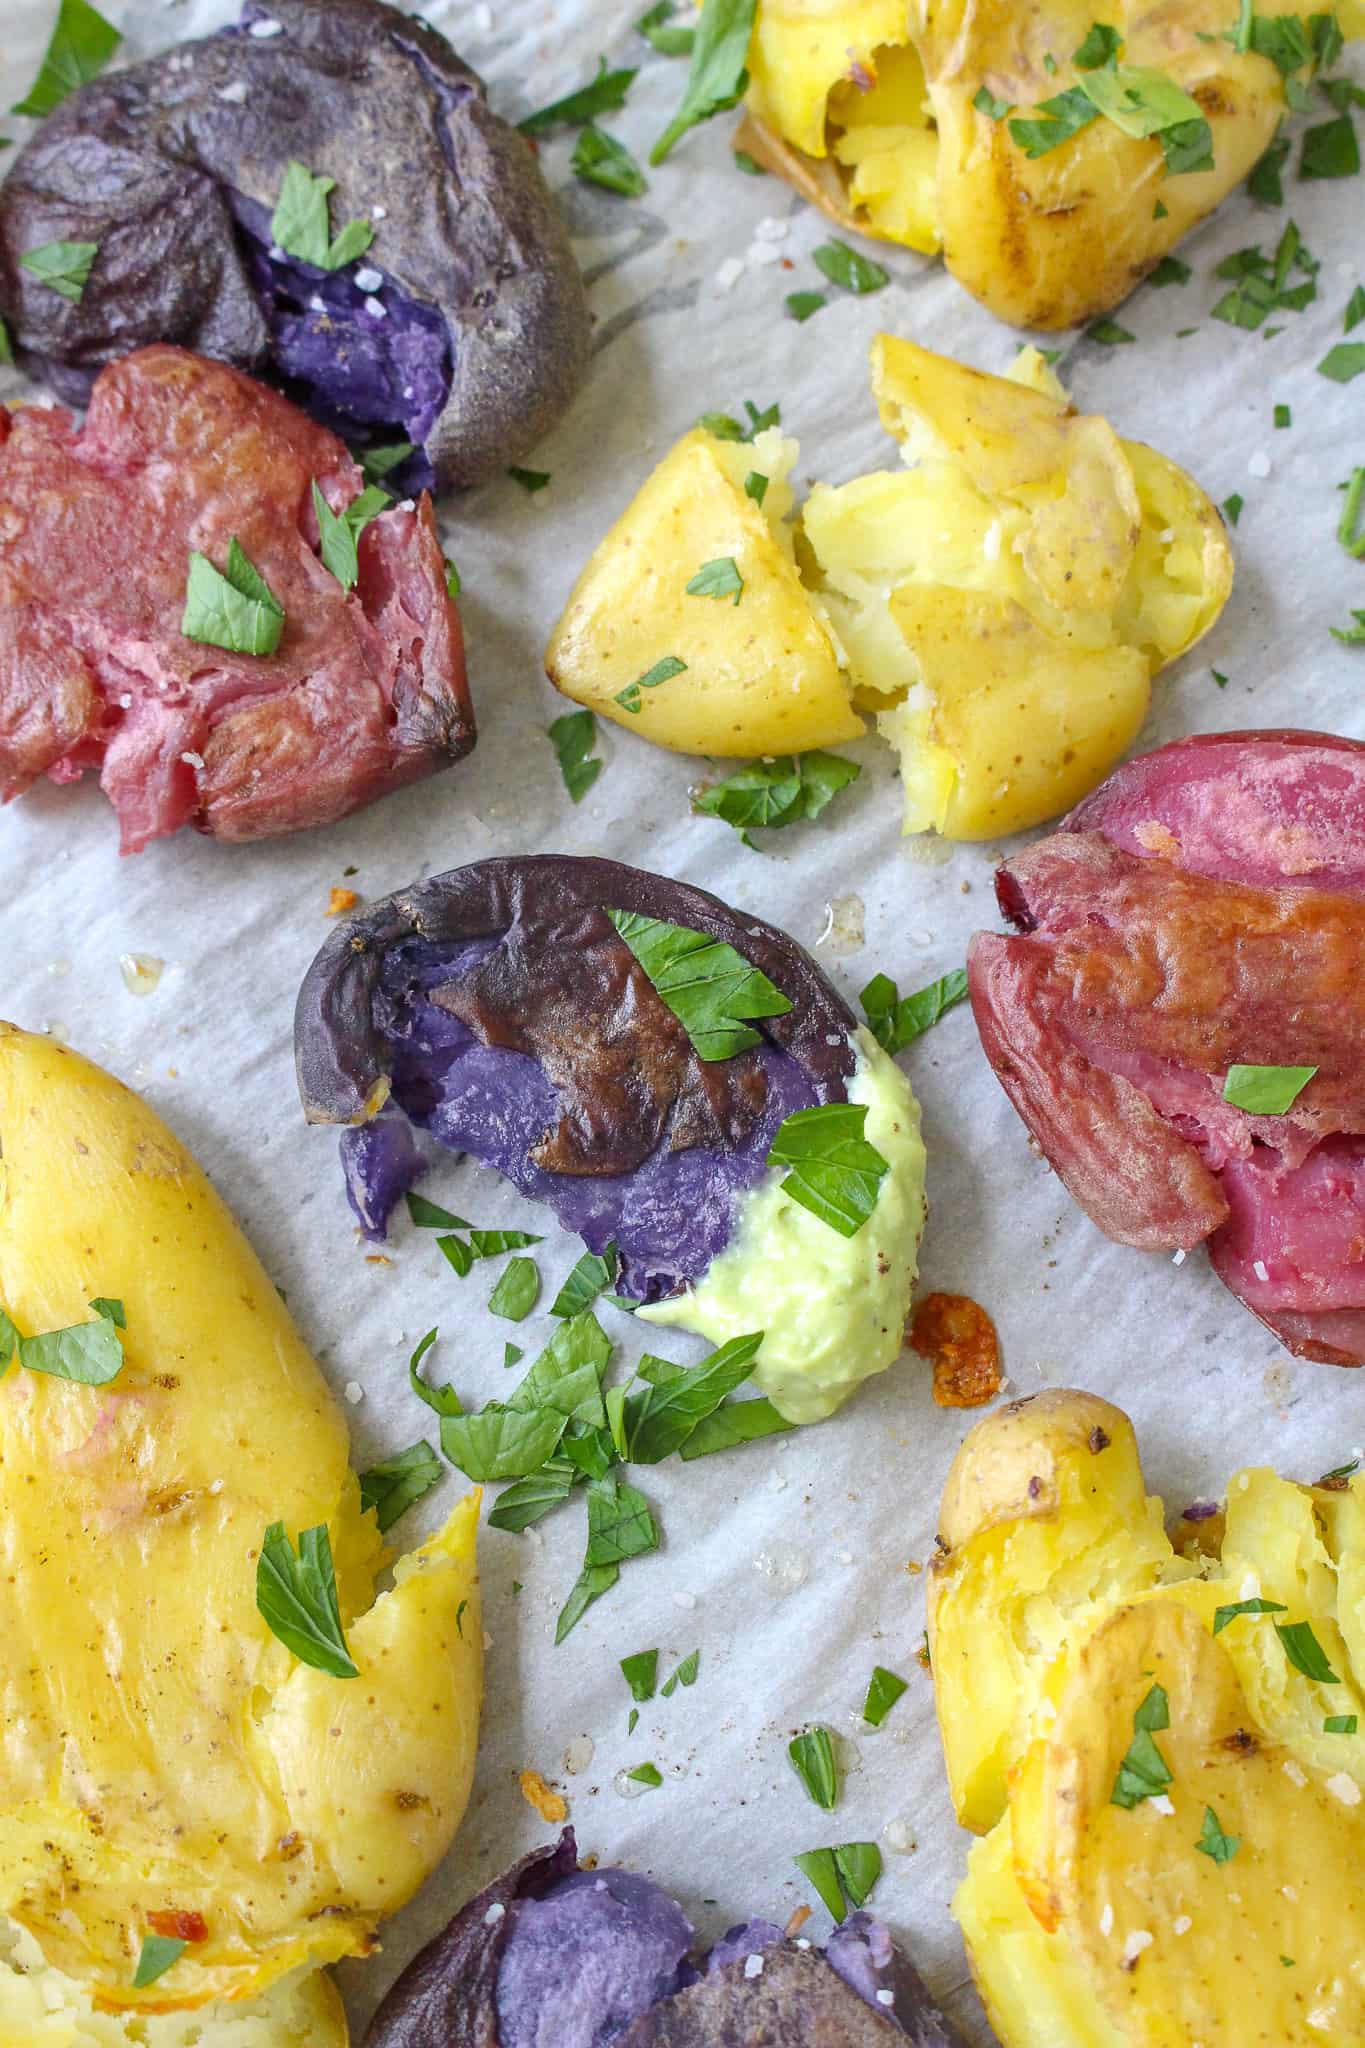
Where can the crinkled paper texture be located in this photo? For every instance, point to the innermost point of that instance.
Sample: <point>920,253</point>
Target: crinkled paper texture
<point>792,1564</point>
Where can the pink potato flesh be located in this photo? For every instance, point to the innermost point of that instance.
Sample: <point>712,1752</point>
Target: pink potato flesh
<point>367,689</point>
<point>1206,907</point>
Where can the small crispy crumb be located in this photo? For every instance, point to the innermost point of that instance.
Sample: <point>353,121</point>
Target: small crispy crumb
<point>340,901</point>
<point>797,1922</point>
<point>378,1259</point>
<point>957,1335</point>
<point>551,1806</point>
<point>914,1568</point>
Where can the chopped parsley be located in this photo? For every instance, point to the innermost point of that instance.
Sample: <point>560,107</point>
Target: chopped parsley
<point>660,1420</point>
<point>1266,1091</point>
<point>393,1485</point>
<point>1170,271</point>
<point>340,531</point>
<point>710,988</point>
<point>756,486</point>
<point>441,1400</point>
<point>6,347</point>
<point>884,1689</point>
<point>301,226</point>
<point>986,103</point>
<point>801,305</point>
<point>234,609</point>
<point>646,1774</point>
<point>1213,1843</point>
<point>726,427</point>
<point>1351,530</point>
<point>773,794</point>
<point>515,1294</point>
<point>1355,309</point>
<point>604,95</point>
<point>573,738</point>
<point>641,1673</point>
<point>669,42</point>
<point>719,579</point>
<point>64,267</point>
<point>620,1523</point>
<point>1283,417</point>
<point>1344,363</point>
<point>1340,1724</point>
<point>663,671</point>
<point>717,79</point>
<point>593,1274</point>
<point>1351,636</point>
<point>1266,180</point>
<point>91,1354</point>
<point>1144,1772</point>
<point>734,1422</point>
<point>749,165</point>
<point>836,1173</point>
<point>376,463</point>
<point>1261,284</point>
<point>1109,334</point>
<point>844,1878</point>
<point>685,1675</point>
<point>1305,1652</point>
<point>1331,150</point>
<point>81,44</point>
<point>812,1758</point>
<point>895,1021</point>
<point>1055,121</point>
<point>1232,508</point>
<point>845,267</point>
<point>431,1216</point>
<point>296,1597</point>
<point>531,480</point>
<point>155,1957</point>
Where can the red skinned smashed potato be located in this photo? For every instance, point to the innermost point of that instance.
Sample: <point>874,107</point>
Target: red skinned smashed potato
<point>1204,909</point>
<point>367,689</point>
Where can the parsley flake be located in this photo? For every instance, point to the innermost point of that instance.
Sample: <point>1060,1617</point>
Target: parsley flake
<point>662,672</point>
<point>393,1485</point>
<point>236,609</point>
<point>685,1675</point>
<point>155,1957</point>
<point>81,44</point>
<point>717,79</point>
<point>836,1173</point>
<point>895,1021</point>
<point>300,224</point>
<point>1305,1652</point>
<point>801,305</point>
<point>1331,150</point>
<point>604,95</point>
<point>594,1272</point>
<point>573,738</point>
<point>297,1599</point>
<point>64,267</point>
<point>773,794</point>
<point>669,42</point>
<point>1213,1843</point>
<point>1266,1091</point>
<point>986,103</point>
<point>884,1689</point>
<point>340,531</point>
<point>1351,530</point>
<point>812,1758</point>
<point>641,1673</point>
<point>718,579</point>
<point>646,1774</point>
<point>711,989</point>
<point>1144,1772</point>
<point>1340,1724</point>
<point>1344,363</point>
<point>515,1294</point>
<point>855,273</point>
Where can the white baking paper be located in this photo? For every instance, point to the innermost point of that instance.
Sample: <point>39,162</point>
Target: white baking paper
<point>794,1565</point>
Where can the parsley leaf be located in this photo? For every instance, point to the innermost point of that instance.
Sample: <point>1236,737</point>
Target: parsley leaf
<point>567,1376</point>
<point>1064,116</point>
<point>836,1173</point>
<point>859,1865</point>
<point>710,988</point>
<point>620,1524</point>
<point>501,1442</point>
<point>1340,1724</point>
<point>660,1420</point>
<point>6,347</point>
<point>599,159</point>
<point>756,486</point>
<point>1144,1772</point>
<point>1101,47</point>
<point>594,1272</point>
<point>340,531</point>
<point>685,1675</point>
<point>1266,1091</point>
<point>772,794</point>
<point>573,738</point>
<point>300,224</point>
<point>237,610</point>
<point>669,42</point>
<point>81,44</point>
<point>641,1673</point>
<point>802,304</point>
<point>606,92</point>
<point>91,1353</point>
<point>1265,181</point>
<point>1109,334</point>
<point>663,671</point>
<point>1331,150</point>
<point>986,103</point>
<point>1351,636</point>
<point>515,1294</point>
<point>64,267</point>
<point>1355,309</point>
<point>1351,530</point>
<point>378,462</point>
<point>844,266</point>
<point>533,1497</point>
<point>720,578</point>
<point>1224,1615</point>
<point>735,1422</point>
<point>895,1021</point>
<point>441,1400</point>
<point>717,79</point>
<point>647,1774</point>
<point>1305,1652</point>
<point>884,1689</point>
<point>1232,508</point>
<point>592,1582</point>
<point>812,1758</point>
<point>531,480</point>
<point>1213,1843</point>
<point>1344,363</point>
<point>297,1598</point>
<point>819,1867</point>
<point>1170,271</point>
<point>155,1957</point>
<point>393,1485</point>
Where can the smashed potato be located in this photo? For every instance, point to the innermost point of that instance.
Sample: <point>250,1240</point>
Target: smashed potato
<point>1161,1748</point>
<point>169,1765</point>
<point>1000,605</point>
<point>896,120</point>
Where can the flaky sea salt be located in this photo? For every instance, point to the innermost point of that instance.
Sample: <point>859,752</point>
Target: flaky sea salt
<point>354,1392</point>
<point>730,273</point>
<point>753,1966</point>
<point>1137,1941</point>
<point>233,93</point>
<point>1259,464</point>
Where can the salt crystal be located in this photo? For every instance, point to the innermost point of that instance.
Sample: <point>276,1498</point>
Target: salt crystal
<point>379,213</point>
<point>1344,1788</point>
<point>369,279</point>
<point>802,1942</point>
<point>685,1600</point>
<point>886,1998</point>
<point>1161,1802</point>
<point>579,1755</point>
<point>191,759</point>
<point>753,1966</point>
<point>1178,1259</point>
<point>494,1914</point>
<point>1107,1920</point>
<point>317,305</point>
<point>1259,1269</point>
<point>1259,464</point>
<point>772,229</point>
<point>234,93</point>
<point>899,1836</point>
<point>761,254</point>
<point>729,274</point>
<point>1296,1775</point>
<point>262,29</point>
<point>141,972</point>
<point>1137,1941</point>
<point>216,1486</point>
<point>354,1392</point>
<point>1183,1924</point>
<point>376,308</point>
<point>990,546</point>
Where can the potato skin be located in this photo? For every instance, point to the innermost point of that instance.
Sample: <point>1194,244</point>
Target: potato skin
<point>1045,243</point>
<point>1056,1606</point>
<point>165,1749</point>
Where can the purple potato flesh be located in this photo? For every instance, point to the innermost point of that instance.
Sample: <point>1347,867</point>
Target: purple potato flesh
<point>555,1957</point>
<point>474,337</point>
<point>511,1021</point>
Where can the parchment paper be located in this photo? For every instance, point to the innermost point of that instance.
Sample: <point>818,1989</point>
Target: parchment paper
<point>793,1565</point>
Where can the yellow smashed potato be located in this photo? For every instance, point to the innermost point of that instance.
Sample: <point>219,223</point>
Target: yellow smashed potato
<point>165,1754</point>
<point>1170,1796</point>
<point>871,110</point>
<point>1001,605</point>
<point>760,676</point>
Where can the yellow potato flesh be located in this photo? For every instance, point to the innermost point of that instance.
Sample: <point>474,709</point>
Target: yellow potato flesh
<point>1053,1612</point>
<point>1045,242</point>
<point>162,1749</point>
<point>762,676</point>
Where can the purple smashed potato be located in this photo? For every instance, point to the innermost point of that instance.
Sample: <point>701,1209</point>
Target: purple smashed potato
<point>498,1009</point>
<point>551,1956</point>
<point>462,328</point>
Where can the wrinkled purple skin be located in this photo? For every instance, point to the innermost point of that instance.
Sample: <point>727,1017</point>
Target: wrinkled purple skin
<point>583,1959</point>
<point>367,1009</point>
<point>484,336</point>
